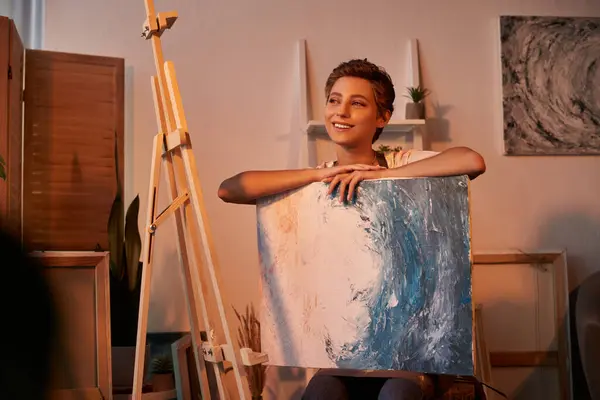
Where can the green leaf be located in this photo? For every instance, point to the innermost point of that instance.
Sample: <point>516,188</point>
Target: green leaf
<point>115,237</point>
<point>133,242</point>
<point>2,168</point>
<point>115,226</point>
<point>417,94</point>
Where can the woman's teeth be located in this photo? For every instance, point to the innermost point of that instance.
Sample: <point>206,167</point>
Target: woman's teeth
<point>342,126</point>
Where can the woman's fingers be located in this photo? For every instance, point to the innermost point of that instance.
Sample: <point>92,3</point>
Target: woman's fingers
<point>348,182</point>
<point>343,185</point>
<point>352,185</point>
<point>334,182</point>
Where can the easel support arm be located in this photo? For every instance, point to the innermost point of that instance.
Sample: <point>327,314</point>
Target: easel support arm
<point>218,354</point>
<point>178,202</point>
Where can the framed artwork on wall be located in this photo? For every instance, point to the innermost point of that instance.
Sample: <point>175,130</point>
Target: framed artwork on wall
<point>550,81</point>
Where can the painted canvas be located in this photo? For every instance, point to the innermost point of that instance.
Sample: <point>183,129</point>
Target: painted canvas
<point>551,85</point>
<point>379,283</point>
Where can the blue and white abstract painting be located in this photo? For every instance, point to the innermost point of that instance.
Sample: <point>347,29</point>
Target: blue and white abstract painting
<point>380,283</point>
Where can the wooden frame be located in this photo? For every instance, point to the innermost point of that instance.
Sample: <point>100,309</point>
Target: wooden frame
<point>184,370</point>
<point>561,357</point>
<point>82,262</point>
<point>179,350</point>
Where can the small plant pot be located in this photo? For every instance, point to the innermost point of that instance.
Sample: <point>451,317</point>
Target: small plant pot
<point>415,111</point>
<point>162,382</point>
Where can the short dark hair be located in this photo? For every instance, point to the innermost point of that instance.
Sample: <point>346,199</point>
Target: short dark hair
<point>383,88</point>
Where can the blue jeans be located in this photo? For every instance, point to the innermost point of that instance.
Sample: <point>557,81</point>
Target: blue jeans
<point>329,387</point>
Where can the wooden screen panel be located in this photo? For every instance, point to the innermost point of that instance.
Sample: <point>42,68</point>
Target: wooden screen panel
<point>11,89</point>
<point>73,115</point>
<point>4,56</point>
<point>13,158</point>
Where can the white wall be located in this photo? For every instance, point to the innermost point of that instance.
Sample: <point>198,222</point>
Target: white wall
<point>28,16</point>
<point>235,64</point>
<point>6,8</point>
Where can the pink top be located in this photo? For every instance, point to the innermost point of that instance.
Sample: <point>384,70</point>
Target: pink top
<point>396,159</point>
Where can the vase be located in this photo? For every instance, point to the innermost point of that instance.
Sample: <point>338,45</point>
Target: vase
<point>415,111</point>
<point>162,382</point>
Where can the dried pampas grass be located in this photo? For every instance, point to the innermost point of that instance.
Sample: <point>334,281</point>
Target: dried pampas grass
<point>249,336</point>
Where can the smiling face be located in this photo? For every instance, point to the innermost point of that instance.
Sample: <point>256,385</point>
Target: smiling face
<point>351,113</point>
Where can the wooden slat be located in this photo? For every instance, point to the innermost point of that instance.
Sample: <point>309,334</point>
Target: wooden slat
<point>507,359</point>
<point>4,61</point>
<point>76,394</point>
<point>14,159</point>
<point>11,89</point>
<point>563,321</point>
<point>515,258</point>
<point>74,108</point>
<point>69,258</point>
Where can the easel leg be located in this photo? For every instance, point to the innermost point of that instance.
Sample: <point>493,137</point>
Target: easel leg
<point>192,285</point>
<point>146,271</point>
<point>196,196</point>
<point>195,325</point>
<point>196,199</point>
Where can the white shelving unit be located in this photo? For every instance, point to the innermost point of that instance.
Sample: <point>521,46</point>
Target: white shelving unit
<point>395,126</point>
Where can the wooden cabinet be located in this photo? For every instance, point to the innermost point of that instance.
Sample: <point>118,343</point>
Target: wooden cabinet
<point>61,119</point>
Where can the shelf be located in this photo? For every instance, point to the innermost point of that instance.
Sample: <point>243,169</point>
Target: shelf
<point>394,126</point>
<point>415,127</point>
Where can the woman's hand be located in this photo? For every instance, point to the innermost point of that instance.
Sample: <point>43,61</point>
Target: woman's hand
<point>348,181</point>
<point>328,173</point>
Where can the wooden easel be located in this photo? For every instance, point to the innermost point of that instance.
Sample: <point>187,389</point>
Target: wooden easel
<point>174,146</point>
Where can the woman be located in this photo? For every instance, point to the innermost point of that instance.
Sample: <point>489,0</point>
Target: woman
<point>360,97</point>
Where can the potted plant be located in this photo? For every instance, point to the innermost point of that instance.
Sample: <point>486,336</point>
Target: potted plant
<point>389,153</point>
<point>125,246</point>
<point>162,373</point>
<point>249,336</point>
<point>384,148</point>
<point>416,109</point>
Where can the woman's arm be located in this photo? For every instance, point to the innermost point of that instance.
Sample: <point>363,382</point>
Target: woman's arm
<point>451,162</point>
<point>454,161</point>
<point>247,187</point>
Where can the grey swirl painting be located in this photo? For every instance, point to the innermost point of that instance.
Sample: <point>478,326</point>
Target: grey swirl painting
<point>551,85</point>
<point>380,283</point>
